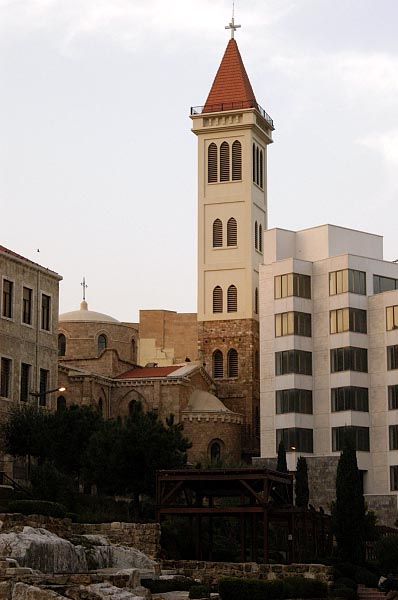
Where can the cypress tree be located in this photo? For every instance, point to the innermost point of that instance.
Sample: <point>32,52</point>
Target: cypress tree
<point>349,511</point>
<point>301,485</point>
<point>281,465</point>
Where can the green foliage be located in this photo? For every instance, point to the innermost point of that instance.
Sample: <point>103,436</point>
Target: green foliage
<point>300,587</point>
<point>387,553</point>
<point>348,513</point>
<point>233,588</point>
<point>162,586</point>
<point>48,483</point>
<point>101,509</point>
<point>38,507</point>
<point>281,464</point>
<point>199,591</point>
<point>26,432</point>
<point>345,582</point>
<point>366,577</point>
<point>301,484</point>
<point>346,593</point>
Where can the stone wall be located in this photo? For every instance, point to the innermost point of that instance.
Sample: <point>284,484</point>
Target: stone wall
<point>385,507</point>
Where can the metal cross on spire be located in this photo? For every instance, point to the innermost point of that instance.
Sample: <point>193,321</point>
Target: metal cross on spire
<point>232,25</point>
<point>84,286</point>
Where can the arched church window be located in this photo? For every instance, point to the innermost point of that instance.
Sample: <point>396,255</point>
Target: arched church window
<point>217,300</point>
<point>232,360</point>
<point>212,163</point>
<point>260,237</point>
<point>218,364</point>
<point>61,403</point>
<point>215,452</point>
<point>261,169</point>
<point>236,161</point>
<point>256,301</point>
<point>61,344</point>
<point>257,166</point>
<point>217,233</point>
<point>256,235</point>
<point>232,299</point>
<point>102,343</point>
<point>254,163</point>
<point>232,232</point>
<point>224,162</point>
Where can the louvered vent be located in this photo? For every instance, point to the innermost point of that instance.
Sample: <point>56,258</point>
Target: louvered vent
<point>232,363</point>
<point>212,164</point>
<point>256,235</point>
<point>256,301</point>
<point>236,161</point>
<point>232,232</point>
<point>257,166</point>
<point>224,162</point>
<point>217,299</point>
<point>232,299</point>
<point>217,233</point>
<point>261,182</point>
<point>260,238</point>
<point>254,163</point>
<point>218,367</point>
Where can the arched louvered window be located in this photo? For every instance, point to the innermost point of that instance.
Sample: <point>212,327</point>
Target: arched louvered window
<point>232,232</point>
<point>102,343</point>
<point>232,360</point>
<point>256,235</point>
<point>236,161</point>
<point>257,166</point>
<point>133,351</point>
<point>218,364</point>
<point>261,169</point>
<point>61,403</point>
<point>212,163</point>
<point>217,233</point>
<point>254,162</point>
<point>256,301</point>
<point>217,300</point>
<point>61,344</point>
<point>260,237</point>
<point>215,452</point>
<point>224,162</point>
<point>232,299</point>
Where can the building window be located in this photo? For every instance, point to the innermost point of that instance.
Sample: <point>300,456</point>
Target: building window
<point>293,401</point>
<point>347,280</point>
<point>256,235</point>
<point>27,295</point>
<point>260,238</point>
<point>261,169</point>
<point>25,382</point>
<point>8,289</point>
<point>61,403</point>
<point>133,351</point>
<point>217,233</point>
<point>393,437</point>
<point>392,397</point>
<point>232,299</point>
<point>394,478</point>
<point>392,317</point>
<point>292,284</point>
<point>258,166</point>
<point>217,300</point>
<point>232,232</point>
<point>256,301</point>
<point>360,436</point>
<point>293,361</point>
<point>384,284</point>
<point>212,164</point>
<point>392,357</point>
<point>348,319</point>
<point>5,377</point>
<point>236,161</point>
<point>293,323</point>
<point>215,452</point>
<point>61,344</point>
<point>350,398</point>
<point>295,439</point>
<point>232,362</point>
<point>43,386</point>
<point>349,359</point>
<point>102,343</point>
<point>224,162</point>
<point>218,364</point>
<point>45,312</point>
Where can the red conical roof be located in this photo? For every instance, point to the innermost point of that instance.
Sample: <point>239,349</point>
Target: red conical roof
<point>231,86</point>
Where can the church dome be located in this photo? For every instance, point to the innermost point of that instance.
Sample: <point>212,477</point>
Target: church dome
<point>201,401</point>
<point>86,315</point>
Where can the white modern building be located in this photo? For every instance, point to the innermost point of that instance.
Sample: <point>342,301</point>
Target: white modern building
<point>329,357</point>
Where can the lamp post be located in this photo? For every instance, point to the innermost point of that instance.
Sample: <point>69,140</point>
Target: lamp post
<point>40,395</point>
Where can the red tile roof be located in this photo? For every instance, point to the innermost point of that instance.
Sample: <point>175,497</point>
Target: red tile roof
<point>231,86</point>
<point>149,372</point>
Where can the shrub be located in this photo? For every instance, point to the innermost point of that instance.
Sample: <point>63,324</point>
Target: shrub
<point>38,507</point>
<point>366,577</point>
<point>387,553</point>
<point>345,582</point>
<point>199,591</point>
<point>231,588</point>
<point>346,593</point>
<point>301,587</point>
<point>161,586</point>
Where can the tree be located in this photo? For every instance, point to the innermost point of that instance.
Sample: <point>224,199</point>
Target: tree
<point>280,492</point>
<point>301,485</point>
<point>281,465</point>
<point>349,511</point>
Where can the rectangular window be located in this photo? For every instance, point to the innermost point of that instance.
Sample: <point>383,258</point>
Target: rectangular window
<point>347,280</point>
<point>27,306</point>
<point>295,439</point>
<point>392,397</point>
<point>391,317</point>
<point>350,398</point>
<point>349,359</point>
<point>394,478</point>
<point>384,284</point>
<point>8,288</point>
<point>293,361</point>
<point>392,357</point>
<point>5,377</point>
<point>43,386</point>
<point>293,401</point>
<point>293,323</point>
<point>348,319</point>
<point>360,435</point>
<point>45,312</point>
<point>292,284</point>
<point>25,382</point>
<point>393,437</point>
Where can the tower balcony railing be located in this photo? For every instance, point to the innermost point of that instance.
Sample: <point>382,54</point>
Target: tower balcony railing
<point>224,106</point>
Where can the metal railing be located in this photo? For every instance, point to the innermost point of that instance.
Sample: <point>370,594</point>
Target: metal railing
<point>6,480</point>
<point>224,106</point>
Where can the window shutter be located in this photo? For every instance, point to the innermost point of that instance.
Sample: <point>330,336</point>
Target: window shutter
<point>232,299</point>
<point>212,164</point>
<point>232,363</point>
<point>232,232</point>
<point>217,300</point>
<point>217,234</point>
<point>224,162</point>
<point>218,367</point>
<point>236,161</point>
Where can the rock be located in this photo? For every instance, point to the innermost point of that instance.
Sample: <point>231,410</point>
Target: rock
<point>22,591</point>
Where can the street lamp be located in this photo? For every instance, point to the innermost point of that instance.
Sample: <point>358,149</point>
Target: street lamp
<point>44,394</point>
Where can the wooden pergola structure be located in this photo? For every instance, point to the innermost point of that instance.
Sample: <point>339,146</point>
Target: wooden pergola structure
<point>257,497</point>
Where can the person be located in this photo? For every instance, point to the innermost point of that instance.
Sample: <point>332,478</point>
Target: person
<point>388,583</point>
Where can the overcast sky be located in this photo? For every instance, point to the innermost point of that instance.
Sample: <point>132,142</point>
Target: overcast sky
<point>97,160</point>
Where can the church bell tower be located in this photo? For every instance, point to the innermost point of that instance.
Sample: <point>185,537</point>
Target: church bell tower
<point>233,134</point>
